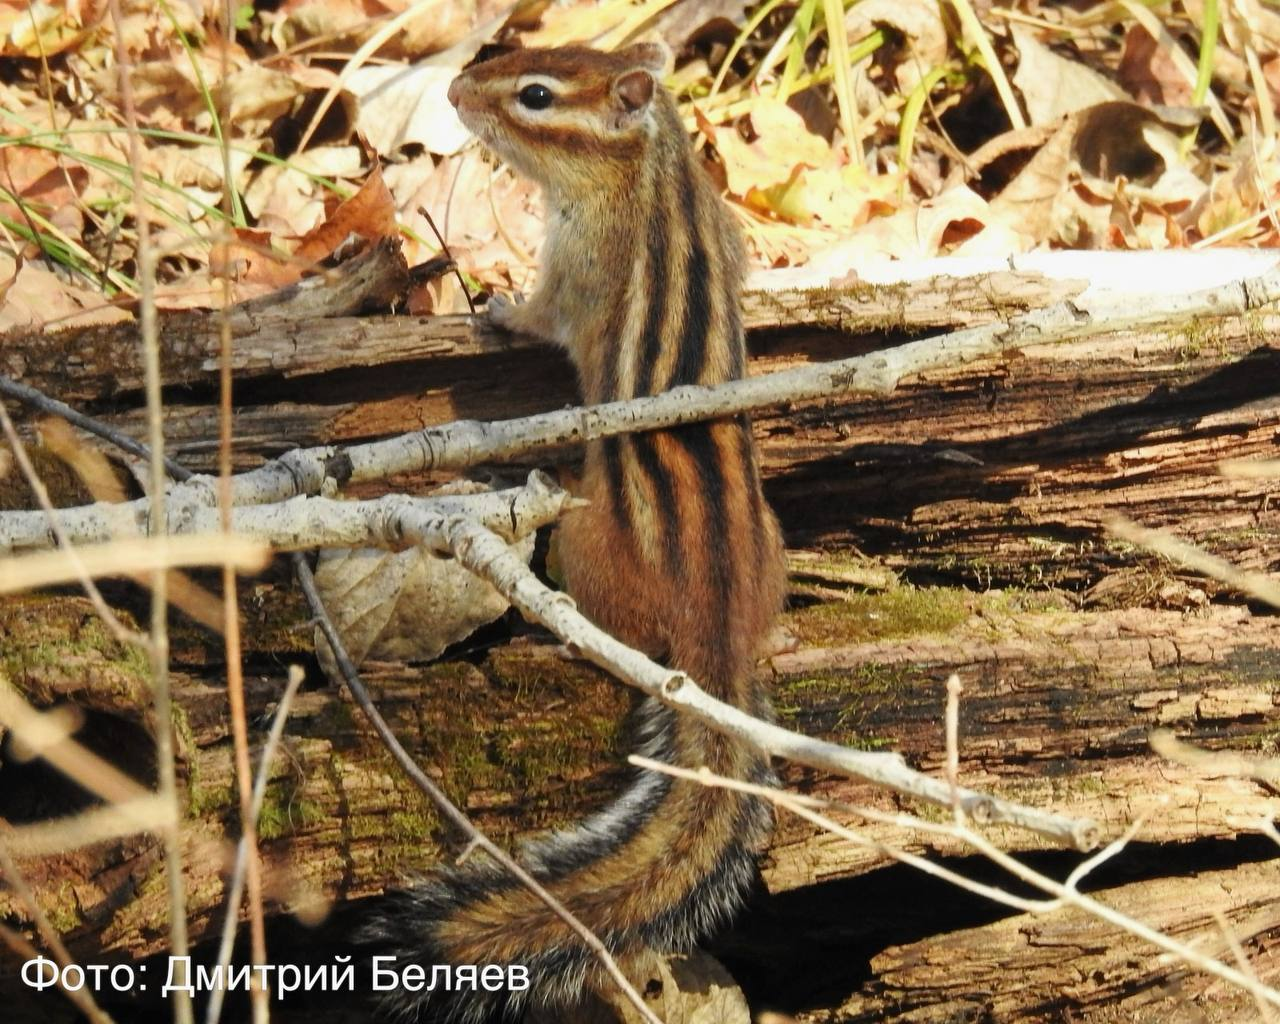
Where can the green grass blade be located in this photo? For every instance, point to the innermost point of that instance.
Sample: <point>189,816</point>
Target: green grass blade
<point>237,207</point>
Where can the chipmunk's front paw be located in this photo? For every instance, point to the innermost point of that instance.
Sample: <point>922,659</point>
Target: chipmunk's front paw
<point>492,327</point>
<point>504,311</point>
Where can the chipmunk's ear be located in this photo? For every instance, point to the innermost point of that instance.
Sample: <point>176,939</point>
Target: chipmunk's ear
<point>653,57</point>
<point>634,89</point>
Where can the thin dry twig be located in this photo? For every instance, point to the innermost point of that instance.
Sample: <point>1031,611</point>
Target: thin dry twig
<point>248,861</point>
<point>1253,584</point>
<point>235,890</point>
<point>1242,961</point>
<point>131,556</point>
<point>476,839</point>
<point>467,443</point>
<point>444,247</point>
<point>1068,893</point>
<point>29,396</point>
<point>1061,893</point>
<point>951,723</point>
<point>1216,762</point>
<point>159,640</point>
<point>111,821</point>
<point>487,555</point>
<point>47,734</point>
<point>808,809</point>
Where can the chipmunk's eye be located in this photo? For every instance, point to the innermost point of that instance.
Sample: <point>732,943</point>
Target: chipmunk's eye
<point>536,97</point>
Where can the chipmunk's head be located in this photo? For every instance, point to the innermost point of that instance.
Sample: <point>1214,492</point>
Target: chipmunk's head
<point>568,118</point>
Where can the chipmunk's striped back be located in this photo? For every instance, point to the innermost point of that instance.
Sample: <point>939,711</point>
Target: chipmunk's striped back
<point>677,552</point>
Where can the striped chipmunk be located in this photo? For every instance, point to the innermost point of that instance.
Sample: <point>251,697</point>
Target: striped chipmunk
<point>676,553</point>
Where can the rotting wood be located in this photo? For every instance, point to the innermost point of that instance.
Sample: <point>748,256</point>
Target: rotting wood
<point>541,746</point>
<point>869,951</point>
<point>309,329</point>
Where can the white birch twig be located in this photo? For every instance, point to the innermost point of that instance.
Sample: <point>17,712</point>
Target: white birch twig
<point>489,557</point>
<point>301,522</point>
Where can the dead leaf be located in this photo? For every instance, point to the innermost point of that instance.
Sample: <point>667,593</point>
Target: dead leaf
<point>165,97</point>
<point>919,21</point>
<point>493,222</point>
<point>43,29</point>
<point>682,989</point>
<point>766,172</point>
<point>40,178</point>
<point>37,296</point>
<point>681,23</point>
<point>1125,140</point>
<point>1052,86</point>
<point>249,258</point>
<point>400,105</point>
<point>1228,203</point>
<point>370,213</point>
<point>403,606</point>
<point>286,199</point>
<point>1148,72</point>
<point>255,96</point>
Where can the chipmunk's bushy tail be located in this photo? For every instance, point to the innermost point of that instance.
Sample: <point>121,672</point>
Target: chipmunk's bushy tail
<point>659,869</point>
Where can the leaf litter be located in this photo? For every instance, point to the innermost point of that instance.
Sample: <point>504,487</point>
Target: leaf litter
<point>1118,140</point>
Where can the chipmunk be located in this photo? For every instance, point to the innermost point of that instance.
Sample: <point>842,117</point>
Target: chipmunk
<point>676,554</point>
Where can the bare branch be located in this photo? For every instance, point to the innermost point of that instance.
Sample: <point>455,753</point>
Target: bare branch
<point>158,647</point>
<point>1216,762</point>
<point>467,443</point>
<point>488,556</point>
<point>302,522</point>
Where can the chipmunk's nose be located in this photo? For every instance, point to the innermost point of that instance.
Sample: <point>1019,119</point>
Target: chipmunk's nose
<point>455,90</point>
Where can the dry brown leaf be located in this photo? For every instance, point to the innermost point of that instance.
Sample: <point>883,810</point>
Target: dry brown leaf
<point>44,182</point>
<point>579,21</point>
<point>248,258</point>
<point>919,21</point>
<point>1148,72</point>
<point>681,23</point>
<point>37,297</point>
<point>204,289</point>
<point>370,213</point>
<point>1228,202</point>
<point>768,173</point>
<point>434,27</point>
<point>493,223</point>
<point>287,200</point>
<point>1052,86</point>
<point>405,605</point>
<point>164,96</point>
<point>686,989</point>
<point>1125,140</point>
<point>841,199</point>
<point>255,96</point>
<point>35,29</point>
<point>401,105</point>
<point>439,25</point>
